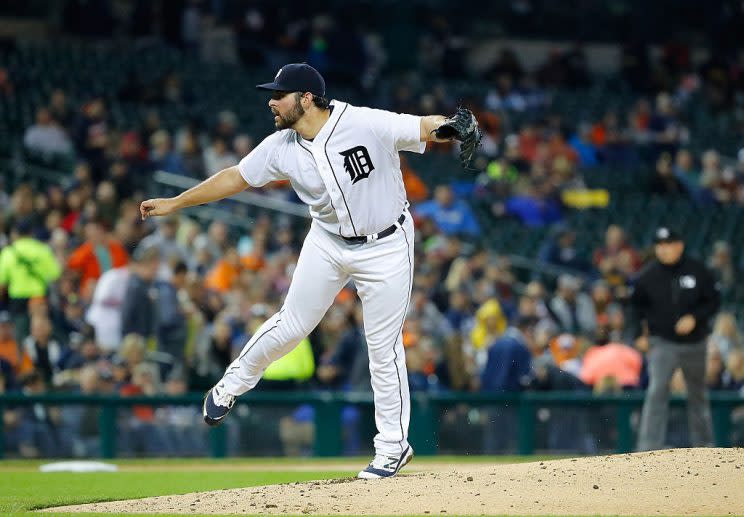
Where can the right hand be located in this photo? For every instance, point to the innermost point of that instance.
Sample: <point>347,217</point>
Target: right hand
<point>641,343</point>
<point>157,207</point>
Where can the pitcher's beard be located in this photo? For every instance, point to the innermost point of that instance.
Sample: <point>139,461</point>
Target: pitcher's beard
<point>291,118</point>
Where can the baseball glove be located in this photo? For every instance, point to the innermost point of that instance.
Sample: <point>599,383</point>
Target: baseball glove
<point>464,127</point>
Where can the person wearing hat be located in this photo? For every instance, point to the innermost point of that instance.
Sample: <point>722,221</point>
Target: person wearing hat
<point>343,161</point>
<point>676,297</point>
<point>27,268</point>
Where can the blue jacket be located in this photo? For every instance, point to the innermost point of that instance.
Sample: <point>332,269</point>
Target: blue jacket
<point>509,364</point>
<point>452,220</point>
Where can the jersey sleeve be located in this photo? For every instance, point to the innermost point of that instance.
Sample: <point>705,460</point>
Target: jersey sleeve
<point>400,130</point>
<point>261,165</point>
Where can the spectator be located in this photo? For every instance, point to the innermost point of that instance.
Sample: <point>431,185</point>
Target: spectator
<point>292,371</point>
<point>617,330</point>
<point>727,188</point>
<point>105,311</point>
<point>664,182</point>
<point>139,311</point>
<point>83,421</point>
<point>452,216</point>
<point>40,433</point>
<point>18,360</point>
<point>459,310</point>
<point>46,354</point>
<point>98,254</point>
<point>335,365</point>
<point>92,136</point>
<point>733,376</point>
<point>225,273</point>
<point>46,136</point>
<point>666,130</point>
<point>565,350</point>
<point>218,156</point>
<point>573,309</point>
<point>559,250</point>
<point>606,360</point>
<point>215,241</point>
<point>714,369</point>
<point>107,203</point>
<point>214,355</point>
<point>172,324</point>
<point>191,156</point>
<point>581,142</point>
<point>60,110</point>
<point>711,172</point>
<point>617,261</point>
<point>68,318</point>
<point>243,145</point>
<point>164,240</point>
<point>490,323</point>
<point>141,433</point>
<point>509,364</point>
<point>27,269</point>
<point>162,156</point>
<point>535,291</point>
<point>721,263</point>
<point>684,169</point>
<point>725,336</point>
<point>536,208</point>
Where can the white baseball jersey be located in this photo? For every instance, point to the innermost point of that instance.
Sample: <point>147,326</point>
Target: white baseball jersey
<point>349,175</point>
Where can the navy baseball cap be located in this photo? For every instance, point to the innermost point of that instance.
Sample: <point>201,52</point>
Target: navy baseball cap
<point>666,234</point>
<point>297,77</point>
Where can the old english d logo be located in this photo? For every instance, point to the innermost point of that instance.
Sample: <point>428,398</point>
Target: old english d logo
<point>357,163</point>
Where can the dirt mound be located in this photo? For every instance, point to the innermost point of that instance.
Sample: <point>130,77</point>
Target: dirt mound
<point>670,482</point>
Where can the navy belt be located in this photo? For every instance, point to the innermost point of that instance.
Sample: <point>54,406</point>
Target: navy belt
<point>363,239</point>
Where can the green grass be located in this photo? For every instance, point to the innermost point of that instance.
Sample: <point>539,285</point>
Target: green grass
<point>24,491</point>
<point>23,488</point>
<point>360,460</point>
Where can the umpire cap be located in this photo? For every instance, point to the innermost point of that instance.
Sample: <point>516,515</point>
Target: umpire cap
<point>297,77</point>
<point>666,234</point>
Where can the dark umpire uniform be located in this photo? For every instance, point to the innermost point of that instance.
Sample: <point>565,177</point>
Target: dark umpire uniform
<point>677,297</point>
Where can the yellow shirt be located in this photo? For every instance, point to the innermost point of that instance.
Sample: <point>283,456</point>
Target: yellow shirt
<point>27,267</point>
<point>298,365</point>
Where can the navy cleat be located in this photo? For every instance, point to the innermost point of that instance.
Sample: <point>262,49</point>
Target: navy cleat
<point>383,466</point>
<point>217,404</point>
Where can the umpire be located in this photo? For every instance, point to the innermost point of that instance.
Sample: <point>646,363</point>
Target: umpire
<point>677,297</point>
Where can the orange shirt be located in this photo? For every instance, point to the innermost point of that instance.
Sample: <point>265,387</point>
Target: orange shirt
<point>85,262</point>
<point>612,360</point>
<point>20,361</point>
<point>221,277</point>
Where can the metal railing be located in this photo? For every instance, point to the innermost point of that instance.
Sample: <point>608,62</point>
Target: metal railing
<point>169,179</point>
<point>426,412</point>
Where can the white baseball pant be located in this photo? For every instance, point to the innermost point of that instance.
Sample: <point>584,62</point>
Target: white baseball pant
<point>382,272</point>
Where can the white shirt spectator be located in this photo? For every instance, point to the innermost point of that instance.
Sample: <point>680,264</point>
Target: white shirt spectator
<point>46,136</point>
<point>104,313</point>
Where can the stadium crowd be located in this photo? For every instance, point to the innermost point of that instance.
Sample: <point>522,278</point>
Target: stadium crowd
<point>98,301</point>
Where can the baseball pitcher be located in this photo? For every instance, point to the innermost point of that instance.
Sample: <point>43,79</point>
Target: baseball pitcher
<point>343,162</point>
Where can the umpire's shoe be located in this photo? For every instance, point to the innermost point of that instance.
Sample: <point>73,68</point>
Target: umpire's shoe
<point>217,404</point>
<point>383,466</point>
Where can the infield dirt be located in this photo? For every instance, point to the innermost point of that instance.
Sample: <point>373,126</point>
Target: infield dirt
<point>669,482</point>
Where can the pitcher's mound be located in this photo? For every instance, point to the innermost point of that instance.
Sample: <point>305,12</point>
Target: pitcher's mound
<point>670,482</point>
